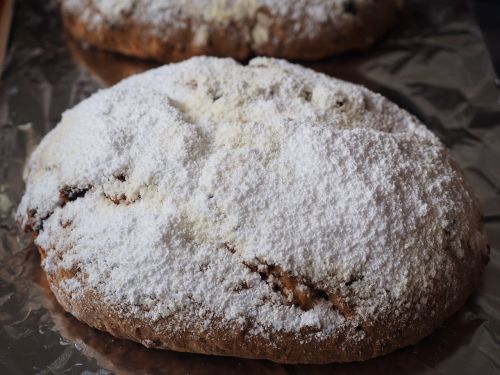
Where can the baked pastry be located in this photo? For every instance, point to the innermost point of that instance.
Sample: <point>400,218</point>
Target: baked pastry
<point>171,30</point>
<point>262,211</point>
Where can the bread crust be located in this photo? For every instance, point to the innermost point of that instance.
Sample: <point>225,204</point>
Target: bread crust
<point>382,337</point>
<point>214,255</point>
<point>234,39</point>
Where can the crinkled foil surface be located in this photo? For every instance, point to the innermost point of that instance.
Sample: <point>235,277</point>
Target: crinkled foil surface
<point>434,64</point>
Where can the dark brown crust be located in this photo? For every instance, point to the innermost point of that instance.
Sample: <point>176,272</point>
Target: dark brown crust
<point>381,337</point>
<point>354,32</point>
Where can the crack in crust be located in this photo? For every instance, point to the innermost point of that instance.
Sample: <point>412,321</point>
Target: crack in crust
<point>69,193</point>
<point>296,290</point>
<point>72,193</point>
<point>121,199</point>
<point>66,194</point>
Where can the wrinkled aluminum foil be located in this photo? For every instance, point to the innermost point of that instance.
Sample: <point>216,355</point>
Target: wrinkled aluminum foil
<point>434,64</point>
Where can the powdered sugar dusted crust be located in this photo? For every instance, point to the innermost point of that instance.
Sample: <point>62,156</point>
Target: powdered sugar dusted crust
<point>175,29</point>
<point>167,12</point>
<point>190,190</point>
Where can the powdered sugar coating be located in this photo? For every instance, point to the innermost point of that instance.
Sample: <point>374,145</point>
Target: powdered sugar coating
<point>307,15</point>
<point>333,183</point>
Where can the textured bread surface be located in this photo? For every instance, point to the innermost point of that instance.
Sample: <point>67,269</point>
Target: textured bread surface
<point>261,211</point>
<point>169,30</point>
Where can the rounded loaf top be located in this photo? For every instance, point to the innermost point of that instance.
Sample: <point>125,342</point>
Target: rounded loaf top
<point>267,196</point>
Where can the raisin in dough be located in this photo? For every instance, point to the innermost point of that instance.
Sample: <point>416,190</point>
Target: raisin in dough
<point>262,211</point>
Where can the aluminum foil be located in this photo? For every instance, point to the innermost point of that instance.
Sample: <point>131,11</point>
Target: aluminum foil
<point>434,64</point>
